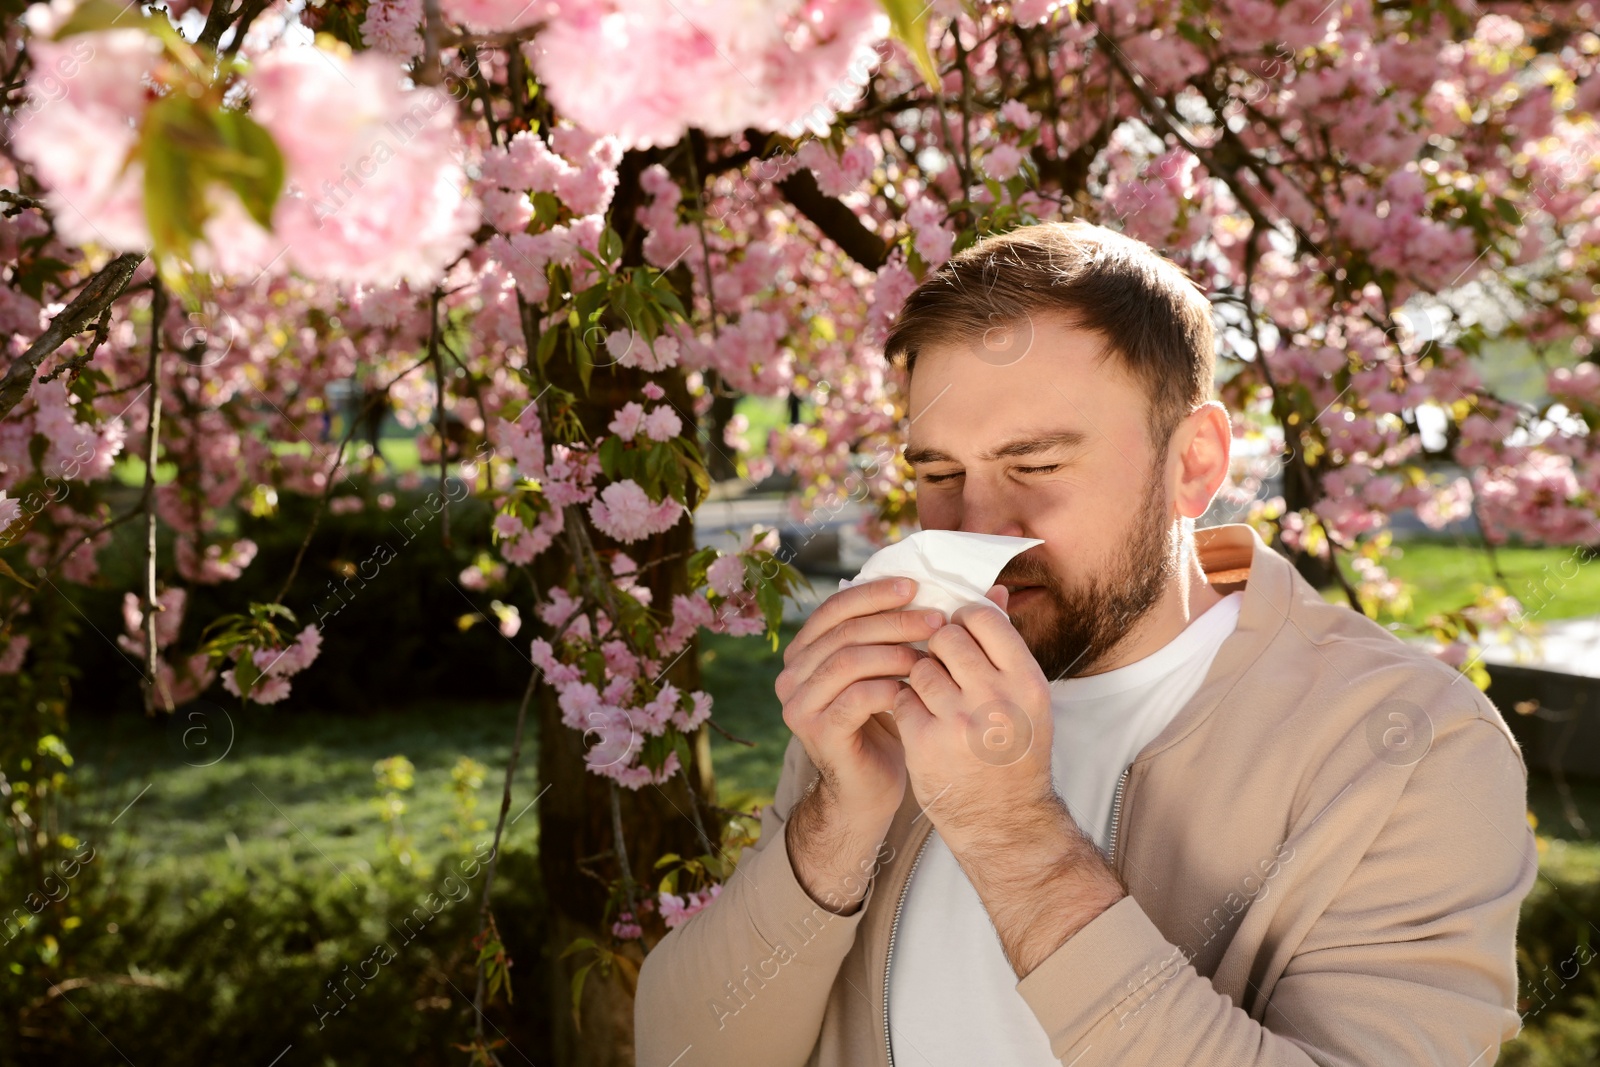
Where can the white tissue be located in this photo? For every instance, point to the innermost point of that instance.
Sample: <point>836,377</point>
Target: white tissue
<point>951,569</point>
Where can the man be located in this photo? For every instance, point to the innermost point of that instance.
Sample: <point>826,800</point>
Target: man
<point>1210,818</point>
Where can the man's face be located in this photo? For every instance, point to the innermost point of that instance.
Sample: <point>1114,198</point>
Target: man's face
<point>1054,445</point>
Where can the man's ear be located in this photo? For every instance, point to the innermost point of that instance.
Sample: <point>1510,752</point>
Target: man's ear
<point>1200,448</point>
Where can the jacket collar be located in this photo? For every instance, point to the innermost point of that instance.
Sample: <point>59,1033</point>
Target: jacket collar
<point>1231,555</point>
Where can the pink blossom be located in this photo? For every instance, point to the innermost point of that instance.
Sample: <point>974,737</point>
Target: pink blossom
<point>628,420</point>
<point>654,716</point>
<point>626,513</point>
<point>678,910</point>
<point>647,72</point>
<point>394,26</point>
<point>15,652</point>
<point>377,186</point>
<point>87,97</point>
<point>10,510</point>
<point>652,391</point>
<point>576,702</point>
<point>1003,161</point>
<point>493,15</point>
<point>689,722</point>
<point>562,607</point>
<point>620,660</point>
<point>616,739</point>
<point>662,424</point>
<point>726,575</point>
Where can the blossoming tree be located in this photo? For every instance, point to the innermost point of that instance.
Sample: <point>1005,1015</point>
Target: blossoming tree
<point>559,238</point>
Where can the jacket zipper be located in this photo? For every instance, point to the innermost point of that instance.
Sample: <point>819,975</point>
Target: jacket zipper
<point>894,928</point>
<point>1116,816</point>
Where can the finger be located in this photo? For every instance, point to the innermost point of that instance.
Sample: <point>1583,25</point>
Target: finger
<point>859,701</point>
<point>869,598</point>
<point>963,658</point>
<point>808,697</point>
<point>1000,595</point>
<point>939,692</point>
<point>996,636</point>
<point>886,628</point>
<point>910,713</point>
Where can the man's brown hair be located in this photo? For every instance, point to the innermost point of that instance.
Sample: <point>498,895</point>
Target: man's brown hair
<point>1149,312</point>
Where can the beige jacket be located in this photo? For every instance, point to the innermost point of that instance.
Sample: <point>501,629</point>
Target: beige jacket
<point>1325,849</point>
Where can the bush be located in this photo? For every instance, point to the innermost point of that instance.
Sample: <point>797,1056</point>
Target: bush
<point>409,613</point>
<point>233,966</point>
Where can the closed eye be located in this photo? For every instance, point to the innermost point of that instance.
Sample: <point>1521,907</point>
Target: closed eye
<point>935,479</point>
<point>1039,470</point>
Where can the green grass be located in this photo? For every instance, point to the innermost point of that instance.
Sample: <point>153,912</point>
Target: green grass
<point>1445,576</point>
<point>739,672</point>
<point>299,787</point>
<point>294,787</point>
<point>766,414</point>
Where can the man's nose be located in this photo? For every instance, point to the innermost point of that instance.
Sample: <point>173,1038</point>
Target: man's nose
<point>988,512</point>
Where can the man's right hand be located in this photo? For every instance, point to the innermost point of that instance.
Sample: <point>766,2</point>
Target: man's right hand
<point>842,667</point>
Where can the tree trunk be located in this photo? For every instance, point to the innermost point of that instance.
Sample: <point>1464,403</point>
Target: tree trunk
<point>575,813</point>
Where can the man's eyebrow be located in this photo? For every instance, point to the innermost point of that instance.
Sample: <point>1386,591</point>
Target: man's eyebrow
<point>1021,446</point>
<point>1032,446</point>
<point>915,456</point>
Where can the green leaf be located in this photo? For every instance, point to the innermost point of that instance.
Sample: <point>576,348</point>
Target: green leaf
<point>91,16</point>
<point>261,611</point>
<point>578,945</point>
<point>611,457</point>
<point>254,168</point>
<point>174,190</point>
<point>908,24</point>
<point>698,563</point>
<point>547,345</point>
<point>577,990</point>
<point>5,569</point>
<point>245,674</point>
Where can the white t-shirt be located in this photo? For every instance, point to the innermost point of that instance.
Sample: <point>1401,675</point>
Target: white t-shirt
<point>952,992</point>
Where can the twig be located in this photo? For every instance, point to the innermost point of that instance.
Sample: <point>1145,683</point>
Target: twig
<point>499,831</point>
<point>432,24</point>
<point>438,418</point>
<point>98,294</point>
<point>736,740</point>
<point>76,364</point>
<point>155,689</point>
<point>622,848</point>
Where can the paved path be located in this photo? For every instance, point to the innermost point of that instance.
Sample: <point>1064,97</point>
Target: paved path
<point>1567,646</point>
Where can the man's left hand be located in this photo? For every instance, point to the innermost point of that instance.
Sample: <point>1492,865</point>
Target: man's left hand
<point>976,725</point>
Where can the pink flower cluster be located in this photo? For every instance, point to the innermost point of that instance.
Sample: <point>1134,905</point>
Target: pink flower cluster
<point>625,512</point>
<point>277,666</point>
<point>660,424</point>
<point>618,710</point>
<point>375,192</point>
<point>677,910</point>
<point>648,71</point>
<point>1540,499</point>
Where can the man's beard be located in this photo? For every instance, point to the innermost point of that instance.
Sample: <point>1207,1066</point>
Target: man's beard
<point>1074,629</point>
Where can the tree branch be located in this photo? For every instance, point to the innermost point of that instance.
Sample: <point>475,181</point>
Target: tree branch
<point>97,295</point>
<point>838,223</point>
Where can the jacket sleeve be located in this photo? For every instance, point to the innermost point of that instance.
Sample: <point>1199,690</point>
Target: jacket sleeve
<point>747,978</point>
<point>1411,961</point>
